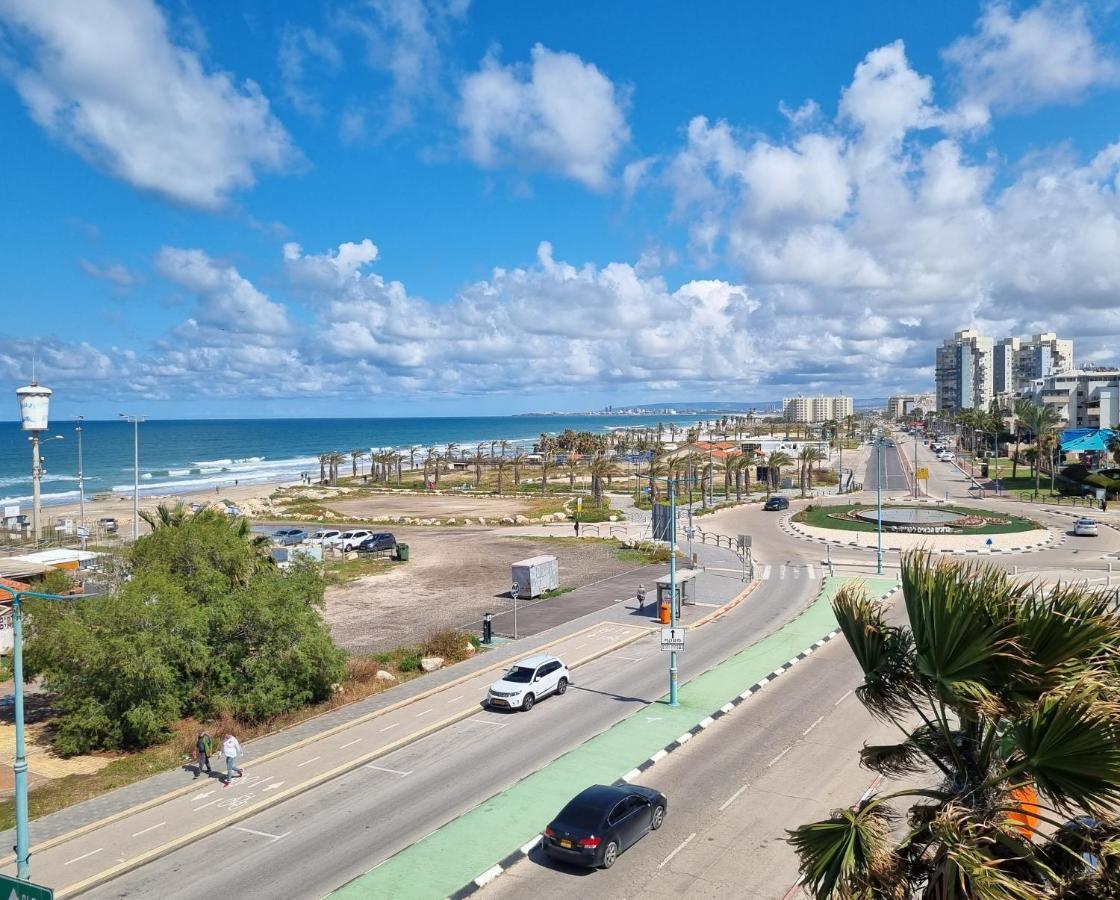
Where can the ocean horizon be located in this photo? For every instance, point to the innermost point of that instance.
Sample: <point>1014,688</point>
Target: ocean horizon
<point>182,455</point>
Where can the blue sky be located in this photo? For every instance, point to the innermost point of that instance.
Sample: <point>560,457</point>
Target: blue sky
<point>419,207</point>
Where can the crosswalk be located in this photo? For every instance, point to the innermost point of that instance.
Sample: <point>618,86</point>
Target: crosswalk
<point>765,573</point>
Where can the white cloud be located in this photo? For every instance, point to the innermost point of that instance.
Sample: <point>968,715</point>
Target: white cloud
<point>297,47</point>
<point>118,274</point>
<point>227,302</point>
<point>557,113</point>
<point>104,77</point>
<point>1047,54</point>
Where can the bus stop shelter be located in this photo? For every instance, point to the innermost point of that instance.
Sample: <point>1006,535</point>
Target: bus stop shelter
<point>686,588</point>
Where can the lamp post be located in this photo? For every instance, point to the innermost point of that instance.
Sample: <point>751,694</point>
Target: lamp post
<point>879,504</point>
<point>34,405</point>
<point>672,591</point>
<point>915,463</point>
<point>135,420</point>
<point>23,842</point>
<point>81,476</point>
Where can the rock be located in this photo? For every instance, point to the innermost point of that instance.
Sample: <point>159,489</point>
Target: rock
<point>336,688</point>
<point>520,520</point>
<point>469,649</point>
<point>468,521</point>
<point>352,554</point>
<point>431,663</point>
<point>382,675</point>
<point>614,518</point>
<point>481,520</point>
<point>506,520</point>
<point>451,521</point>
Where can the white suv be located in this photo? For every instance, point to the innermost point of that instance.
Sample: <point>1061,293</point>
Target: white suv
<point>350,539</point>
<point>528,681</point>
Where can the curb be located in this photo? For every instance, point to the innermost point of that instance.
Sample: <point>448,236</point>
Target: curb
<point>522,852</point>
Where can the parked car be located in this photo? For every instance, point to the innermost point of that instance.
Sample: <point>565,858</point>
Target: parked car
<point>602,821</point>
<point>328,537</point>
<point>528,681</point>
<point>375,542</point>
<point>1085,527</point>
<point>109,524</point>
<point>776,502</point>
<point>287,536</point>
<point>349,540</point>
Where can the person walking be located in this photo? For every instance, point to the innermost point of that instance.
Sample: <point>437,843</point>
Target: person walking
<point>641,597</point>
<point>204,746</point>
<point>231,748</point>
<point>577,527</point>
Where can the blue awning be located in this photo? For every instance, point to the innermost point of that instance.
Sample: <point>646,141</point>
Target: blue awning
<point>1086,440</point>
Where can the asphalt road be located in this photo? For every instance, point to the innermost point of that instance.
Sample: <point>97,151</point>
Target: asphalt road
<point>893,475</point>
<point>317,841</point>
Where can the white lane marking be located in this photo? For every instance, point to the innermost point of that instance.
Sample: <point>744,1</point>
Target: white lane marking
<point>264,834</point>
<point>484,722</point>
<point>83,856</point>
<point>308,762</point>
<point>818,721</point>
<point>204,805</point>
<point>424,712</point>
<point>631,658</point>
<point>489,875</point>
<point>453,699</point>
<point>201,796</point>
<point>351,743</point>
<point>390,771</point>
<point>387,727</point>
<point>809,571</point>
<point>796,571</point>
<point>779,756</point>
<point>781,571</point>
<point>845,697</point>
<point>765,572</point>
<point>149,828</point>
<point>733,798</point>
<point>680,847</point>
<point>527,848</point>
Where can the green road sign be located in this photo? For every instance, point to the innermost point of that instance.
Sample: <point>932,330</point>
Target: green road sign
<point>14,889</point>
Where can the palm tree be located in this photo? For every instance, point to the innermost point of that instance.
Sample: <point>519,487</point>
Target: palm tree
<point>1021,407</point>
<point>412,451</point>
<point>433,455</point>
<point>504,445</point>
<point>546,464</point>
<point>323,458</point>
<point>572,464</point>
<point>1040,421</point>
<point>478,457</point>
<point>355,455</point>
<point>1003,692</point>
<point>165,516</point>
<point>775,462</point>
<point>806,458</point>
<point>601,469</point>
<point>500,465</point>
<point>449,456</point>
<point>518,462</point>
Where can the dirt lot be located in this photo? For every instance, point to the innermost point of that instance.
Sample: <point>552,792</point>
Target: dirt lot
<point>453,577</point>
<point>430,506</point>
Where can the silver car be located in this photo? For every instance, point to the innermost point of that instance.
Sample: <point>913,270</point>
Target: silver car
<point>1085,527</point>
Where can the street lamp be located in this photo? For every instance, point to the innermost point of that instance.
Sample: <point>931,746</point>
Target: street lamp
<point>81,476</point>
<point>34,404</point>
<point>672,585</point>
<point>135,420</point>
<point>879,503</point>
<point>23,841</point>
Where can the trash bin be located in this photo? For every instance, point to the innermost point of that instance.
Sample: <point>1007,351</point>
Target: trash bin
<point>983,470</point>
<point>663,614</point>
<point>402,552</point>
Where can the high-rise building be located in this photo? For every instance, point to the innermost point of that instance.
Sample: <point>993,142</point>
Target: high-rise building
<point>1043,355</point>
<point>963,372</point>
<point>1082,398</point>
<point>1005,365</point>
<point>901,405</point>
<point>817,409</point>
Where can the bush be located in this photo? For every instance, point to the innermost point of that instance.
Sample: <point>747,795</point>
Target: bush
<point>409,663</point>
<point>448,643</point>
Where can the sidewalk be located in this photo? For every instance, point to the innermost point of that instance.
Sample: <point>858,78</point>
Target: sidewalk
<point>508,824</point>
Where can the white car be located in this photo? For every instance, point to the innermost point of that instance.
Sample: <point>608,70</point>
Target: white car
<point>328,537</point>
<point>945,456</point>
<point>1085,527</point>
<point>349,540</point>
<point>528,681</point>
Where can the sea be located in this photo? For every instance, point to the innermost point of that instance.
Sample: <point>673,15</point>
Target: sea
<point>179,456</point>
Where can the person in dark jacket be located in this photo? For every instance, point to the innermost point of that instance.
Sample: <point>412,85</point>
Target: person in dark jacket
<point>203,746</point>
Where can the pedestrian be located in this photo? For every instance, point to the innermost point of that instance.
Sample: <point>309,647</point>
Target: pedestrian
<point>641,597</point>
<point>1104,504</point>
<point>204,746</point>
<point>231,748</point>
<point>577,527</point>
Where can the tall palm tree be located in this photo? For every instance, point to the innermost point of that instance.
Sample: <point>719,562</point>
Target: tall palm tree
<point>165,516</point>
<point>323,458</point>
<point>808,456</point>
<point>478,457</point>
<point>433,455</point>
<point>1003,693</point>
<point>412,451</point>
<point>546,464</point>
<point>500,464</point>
<point>1020,412</point>
<point>518,461</point>
<point>1040,421</point>
<point>355,455</point>
<point>335,461</point>
<point>571,462</point>
<point>504,445</point>
<point>449,456</point>
<point>601,470</point>
<point>775,462</point>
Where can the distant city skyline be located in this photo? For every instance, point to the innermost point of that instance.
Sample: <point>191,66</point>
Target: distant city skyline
<point>446,208</point>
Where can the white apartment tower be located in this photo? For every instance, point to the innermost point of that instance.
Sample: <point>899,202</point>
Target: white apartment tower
<point>964,372</point>
<point>817,409</point>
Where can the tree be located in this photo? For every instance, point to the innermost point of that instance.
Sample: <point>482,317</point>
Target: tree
<point>546,464</point>
<point>500,464</point>
<point>204,624</point>
<point>601,470</point>
<point>1040,421</point>
<point>518,462</point>
<point>478,457</point>
<point>355,455</point>
<point>572,464</point>
<point>164,516</point>
<point>323,457</point>
<point>1114,447</point>
<point>1004,694</point>
<point>806,459</point>
<point>775,462</point>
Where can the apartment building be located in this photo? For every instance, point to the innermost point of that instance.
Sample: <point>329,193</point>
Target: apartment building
<point>1082,398</point>
<point>963,372</point>
<point>901,405</point>
<point>817,409</point>
<point>1016,363</point>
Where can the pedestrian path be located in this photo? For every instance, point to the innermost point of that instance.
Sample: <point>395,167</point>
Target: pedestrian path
<point>470,847</point>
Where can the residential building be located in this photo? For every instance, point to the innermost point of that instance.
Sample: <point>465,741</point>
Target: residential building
<point>963,372</point>
<point>817,409</point>
<point>1082,398</point>
<point>1043,355</point>
<point>1005,365</point>
<point>901,405</point>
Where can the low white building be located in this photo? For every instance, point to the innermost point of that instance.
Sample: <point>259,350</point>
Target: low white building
<point>1082,398</point>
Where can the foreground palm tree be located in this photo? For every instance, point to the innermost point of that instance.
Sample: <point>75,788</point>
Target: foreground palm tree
<point>1005,697</point>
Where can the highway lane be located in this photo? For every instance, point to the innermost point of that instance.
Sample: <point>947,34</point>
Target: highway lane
<point>312,843</point>
<point>893,475</point>
<point>787,756</point>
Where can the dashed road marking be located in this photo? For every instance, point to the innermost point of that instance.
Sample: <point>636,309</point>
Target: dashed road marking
<point>726,803</point>
<point>83,856</point>
<point>423,712</point>
<point>394,725</point>
<point>680,847</point>
<point>816,722</point>
<point>779,756</point>
<point>847,694</point>
<point>351,743</point>
<point>149,828</point>
<point>308,762</point>
<point>264,834</point>
<point>390,771</point>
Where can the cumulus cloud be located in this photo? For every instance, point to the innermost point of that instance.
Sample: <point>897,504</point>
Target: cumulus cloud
<point>105,77</point>
<point>557,113</point>
<point>227,302</point>
<point>1046,54</point>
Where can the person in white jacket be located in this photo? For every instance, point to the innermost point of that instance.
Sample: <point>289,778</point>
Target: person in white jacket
<point>231,748</point>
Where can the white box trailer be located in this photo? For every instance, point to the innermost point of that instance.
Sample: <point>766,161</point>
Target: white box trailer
<point>532,577</point>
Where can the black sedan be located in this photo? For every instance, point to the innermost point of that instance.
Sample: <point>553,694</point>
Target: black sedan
<point>775,503</point>
<point>600,822</point>
<point>377,542</point>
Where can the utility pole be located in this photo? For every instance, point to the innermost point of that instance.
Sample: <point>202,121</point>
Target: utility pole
<point>81,477</point>
<point>879,504</point>
<point>672,591</point>
<point>915,463</point>
<point>135,420</point>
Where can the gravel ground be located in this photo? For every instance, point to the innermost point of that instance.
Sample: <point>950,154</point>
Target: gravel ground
<point>430,506</point>
<point>454,575</point>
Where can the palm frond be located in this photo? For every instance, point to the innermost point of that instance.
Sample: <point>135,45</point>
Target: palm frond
<point>882,651</point>
<point>842,853</point>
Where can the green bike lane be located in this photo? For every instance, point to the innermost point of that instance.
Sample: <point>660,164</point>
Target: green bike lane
<point>469,846</point>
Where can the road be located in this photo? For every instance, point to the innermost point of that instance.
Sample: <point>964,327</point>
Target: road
<point>894,477</point>
<point>787,756</point>
<point>316,841</point>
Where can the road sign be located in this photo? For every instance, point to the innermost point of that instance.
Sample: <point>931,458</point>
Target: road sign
<point>14,889</point>
<point>922,474</point>
<point>515,589</point>
<point>83,533</point>
<point>672,639</point>
<point>989,542</point>
<point>744,541</point>
<point>579,503</point>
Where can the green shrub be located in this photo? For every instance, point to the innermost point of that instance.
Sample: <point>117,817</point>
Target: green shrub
<point>409,663</point>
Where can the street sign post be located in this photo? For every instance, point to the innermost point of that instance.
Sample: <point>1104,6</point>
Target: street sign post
<point>14,889</point>
<point>672,639</point>
<point>922,474</point>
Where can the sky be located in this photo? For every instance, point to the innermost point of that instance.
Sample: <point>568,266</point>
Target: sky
<point>446,207</point>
